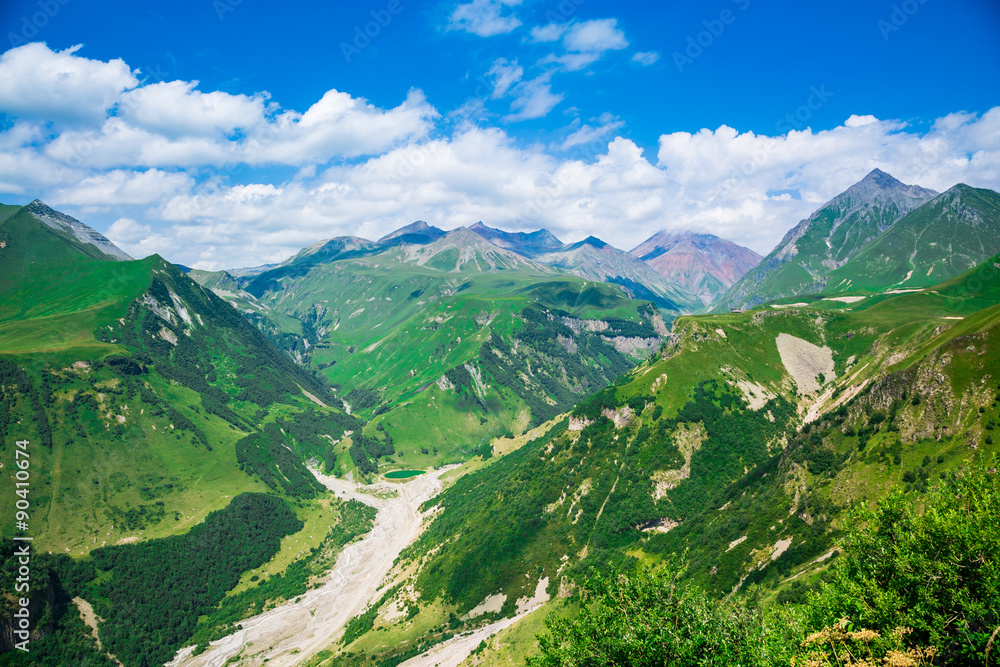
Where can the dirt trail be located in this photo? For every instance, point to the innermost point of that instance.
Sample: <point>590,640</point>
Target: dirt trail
<point>294,631</point>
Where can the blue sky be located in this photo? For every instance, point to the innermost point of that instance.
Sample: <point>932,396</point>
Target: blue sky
<point>737,117</point>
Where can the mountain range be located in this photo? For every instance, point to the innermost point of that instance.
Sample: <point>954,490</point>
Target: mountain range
<point>570,406</point>
<point>705,264</point>
<point>878,234</point>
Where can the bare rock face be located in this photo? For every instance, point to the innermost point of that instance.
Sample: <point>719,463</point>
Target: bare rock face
<point>705,264</point>
<point>73,228</point>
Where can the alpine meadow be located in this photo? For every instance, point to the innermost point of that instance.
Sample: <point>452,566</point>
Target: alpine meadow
<point>499,333</point>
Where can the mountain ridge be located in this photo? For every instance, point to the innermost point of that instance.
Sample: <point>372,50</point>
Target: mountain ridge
<point>827,239</point>
<point>703,263</point>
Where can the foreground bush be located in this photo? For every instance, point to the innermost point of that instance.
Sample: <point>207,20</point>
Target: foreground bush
<point>936,571</point>
<point>647,619</point>
<point>913,586</point>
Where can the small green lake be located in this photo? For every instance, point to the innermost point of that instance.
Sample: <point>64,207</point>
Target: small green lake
<point>403,474</point>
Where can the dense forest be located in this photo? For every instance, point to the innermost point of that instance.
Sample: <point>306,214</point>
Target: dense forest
<point>149,594</point>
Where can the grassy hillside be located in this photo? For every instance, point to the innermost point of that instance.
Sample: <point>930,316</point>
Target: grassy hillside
<point>741,445</point>
<point>442,344</point>
<point>148,404</point>
<point>943,238</point>
<point>828,239</point>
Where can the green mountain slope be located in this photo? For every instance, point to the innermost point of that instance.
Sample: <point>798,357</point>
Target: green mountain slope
<point>741,444</point>
<point>825,241</point>
<point>448,344</point>
<point>132,372</point>
<point>943,238</point>
<point>147,403</point>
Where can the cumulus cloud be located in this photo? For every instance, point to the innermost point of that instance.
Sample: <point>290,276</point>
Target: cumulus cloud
<point>598,35</point>
<point>175,109</point>
<point>339,125</point>
<point>105,119</point>
<point>722,181</point>
<point>123,188</point>
<point>485,18</point>
<point>139,240</point>
<point>364,170</point>
<point>58,86</point>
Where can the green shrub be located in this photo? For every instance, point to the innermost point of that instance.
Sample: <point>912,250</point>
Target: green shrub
<point>937,572</point>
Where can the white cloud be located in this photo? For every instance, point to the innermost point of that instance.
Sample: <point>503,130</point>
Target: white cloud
<point>485,18</point>
<point>587,135</point>
<point>646,58</point>
<point>585,42</point>
<point>572,62</point>
<point>504,75</point>
<point>123,188</point>
<point>860,121</point>
<point>139,240</point>
<point>616,192</point>
<point>533,99</point>
<point>115,123</point>
<point>596,36</point>
<point>118,144</point>
<point>405,166</point>
<point>549,33</point>
<point>339,125</point>
<point>175,109</point>
<point>58,86</point>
